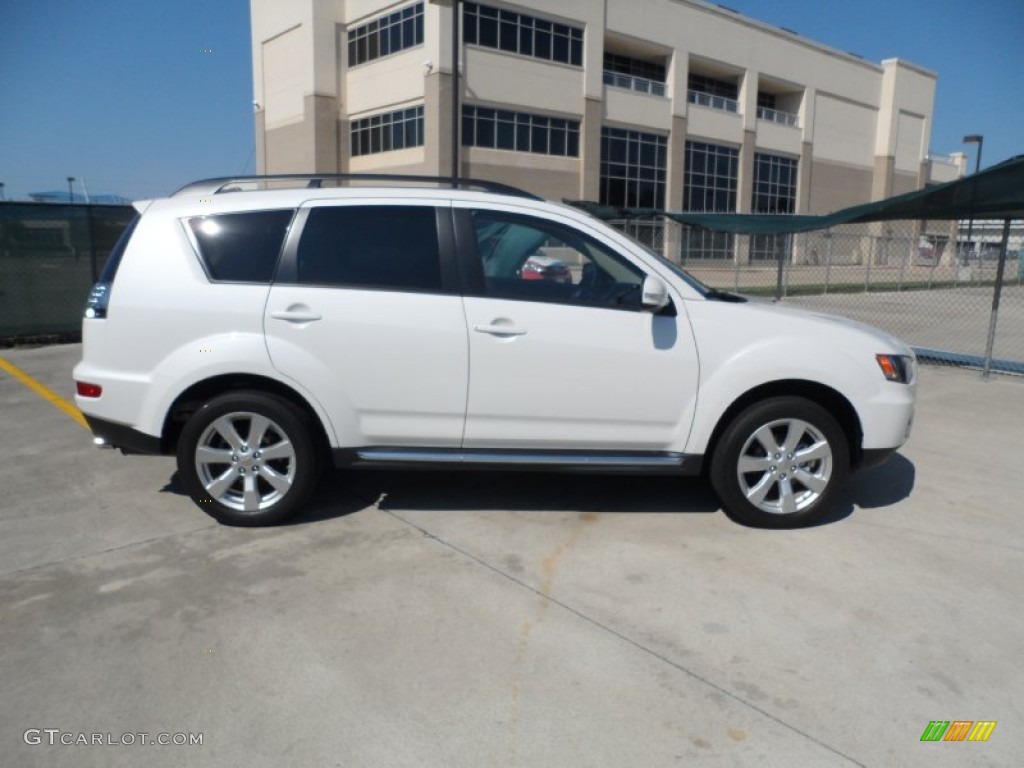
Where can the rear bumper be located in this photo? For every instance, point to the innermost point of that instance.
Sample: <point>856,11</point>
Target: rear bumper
<point>126,438</point>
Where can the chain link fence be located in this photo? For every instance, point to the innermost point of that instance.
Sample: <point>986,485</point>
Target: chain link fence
<point>907,277</point>
<point>50,255</point>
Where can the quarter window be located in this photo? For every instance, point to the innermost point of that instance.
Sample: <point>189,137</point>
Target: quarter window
<point>535,260</point>
<point>389,247</point>
<point>241,247</point>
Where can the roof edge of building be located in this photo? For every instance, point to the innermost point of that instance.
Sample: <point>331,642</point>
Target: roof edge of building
<point>796,37</point>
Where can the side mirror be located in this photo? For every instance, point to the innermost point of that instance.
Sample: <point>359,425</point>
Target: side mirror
<point>655,294</point>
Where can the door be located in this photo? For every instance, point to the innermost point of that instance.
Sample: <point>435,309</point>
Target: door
<point>365,314</point>
<point>563,356</point>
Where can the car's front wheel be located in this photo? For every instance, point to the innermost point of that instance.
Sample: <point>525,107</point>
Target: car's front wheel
<point>780,463</point>
<point>248,458</point>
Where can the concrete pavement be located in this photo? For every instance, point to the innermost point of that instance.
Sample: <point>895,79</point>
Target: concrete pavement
<point>512,620</point>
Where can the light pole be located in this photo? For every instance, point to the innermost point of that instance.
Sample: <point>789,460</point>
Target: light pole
<point>71,195</point>
<point>973,138</point>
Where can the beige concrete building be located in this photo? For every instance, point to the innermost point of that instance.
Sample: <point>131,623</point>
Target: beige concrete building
<point>669,103</point>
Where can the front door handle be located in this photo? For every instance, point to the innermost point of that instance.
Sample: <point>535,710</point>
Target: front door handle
<point>500,330</point>
<point>296,315</point>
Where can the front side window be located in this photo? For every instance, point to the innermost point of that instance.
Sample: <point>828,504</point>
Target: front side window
<point>241,247</point>
<point>536,260</point>
<point>390,247</point>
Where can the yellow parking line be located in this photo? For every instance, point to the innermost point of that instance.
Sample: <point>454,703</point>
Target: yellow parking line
<point>44,392</point>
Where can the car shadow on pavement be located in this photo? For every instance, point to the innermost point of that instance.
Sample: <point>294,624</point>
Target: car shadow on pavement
<point>880,486</point>
<point>510,491</point>
<point>343,492</point>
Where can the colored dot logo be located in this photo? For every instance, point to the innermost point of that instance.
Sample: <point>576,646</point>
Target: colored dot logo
<point>206,350</point>
<point>206,50</point>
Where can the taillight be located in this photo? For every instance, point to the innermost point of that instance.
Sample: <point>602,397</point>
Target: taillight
<point>96,304</point>
<point>85,389</point>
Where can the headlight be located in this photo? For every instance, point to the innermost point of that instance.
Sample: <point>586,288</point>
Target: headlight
<point>898,368</point>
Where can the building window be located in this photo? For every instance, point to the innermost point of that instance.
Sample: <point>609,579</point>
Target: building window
<point>520,131</point>
<point>392,130</point>
<point>774,192</point>
<point>633,168</point>
<point>774,184</point>
<point>709,185</point>
<point>386,35</point>
<point>709,182</point>
<point>634,74</point>
<point>710,92</point>
<point>518,33</point>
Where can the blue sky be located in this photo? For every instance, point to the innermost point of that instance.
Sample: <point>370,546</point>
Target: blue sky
<point>141,96</point>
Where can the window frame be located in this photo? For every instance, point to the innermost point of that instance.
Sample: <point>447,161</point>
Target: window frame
<point>287,271</point>
<point>472,269</point>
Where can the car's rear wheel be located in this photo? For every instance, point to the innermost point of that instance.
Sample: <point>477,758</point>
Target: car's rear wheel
<point>248,458</point>
<point>780,464</point>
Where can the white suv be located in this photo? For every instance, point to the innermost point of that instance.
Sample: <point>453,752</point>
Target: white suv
<point>257,328</point>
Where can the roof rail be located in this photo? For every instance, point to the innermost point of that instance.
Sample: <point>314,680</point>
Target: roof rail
<point>316,180</point>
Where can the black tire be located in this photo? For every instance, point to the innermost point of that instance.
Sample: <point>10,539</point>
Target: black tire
<point>232,489</point>
<point>780,490</point>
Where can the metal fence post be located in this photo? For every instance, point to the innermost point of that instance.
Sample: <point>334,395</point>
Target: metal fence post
<point>903,266</point>
<point>871,256</point>
<point>736,273</point>
<point>996,291</point>
<point>778,277</point>
<point>828,257</point>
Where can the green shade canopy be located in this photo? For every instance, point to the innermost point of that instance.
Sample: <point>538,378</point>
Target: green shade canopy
<point>995,193</point>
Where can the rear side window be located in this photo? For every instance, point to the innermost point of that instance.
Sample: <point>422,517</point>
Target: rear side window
<point>379,246</point>
<point>241,247</point>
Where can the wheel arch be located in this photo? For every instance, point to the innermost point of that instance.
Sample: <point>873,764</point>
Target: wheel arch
<point>191,399</point>
<point>822,394</point>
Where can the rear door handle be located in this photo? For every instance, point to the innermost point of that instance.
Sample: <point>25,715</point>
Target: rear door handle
<point>295,316</point>
<point>500,330</point>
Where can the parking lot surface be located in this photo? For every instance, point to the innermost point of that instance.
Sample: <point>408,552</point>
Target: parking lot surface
<point>510,620</point>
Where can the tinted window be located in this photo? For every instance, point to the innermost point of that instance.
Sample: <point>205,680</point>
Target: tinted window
<point>378,246</point>
<point>241,247</point>
<point>533,259</point>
